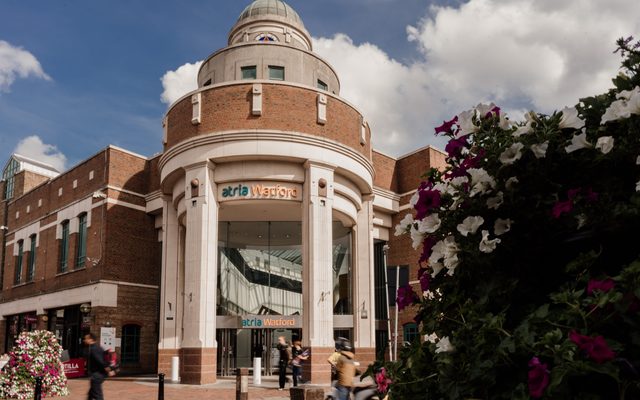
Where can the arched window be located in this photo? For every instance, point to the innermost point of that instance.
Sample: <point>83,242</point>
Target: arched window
<point>130,351</point>
<point>410,332</point>
<point>64,246</point>
<point>18,277</point>
<point>31,267</point>
<point>81,250</point>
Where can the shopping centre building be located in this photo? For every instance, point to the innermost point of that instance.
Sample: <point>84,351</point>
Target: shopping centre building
<point>265,215</point>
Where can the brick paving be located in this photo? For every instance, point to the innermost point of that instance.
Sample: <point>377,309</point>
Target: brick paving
<point>146,388</point>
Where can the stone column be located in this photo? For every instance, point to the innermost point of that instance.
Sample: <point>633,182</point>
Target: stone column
<point>364,285</point>
<point>170,288</point>
<point>317,280</point>
<point>199,320</point>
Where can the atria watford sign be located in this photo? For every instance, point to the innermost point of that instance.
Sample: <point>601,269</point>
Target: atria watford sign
<point>259,190</point>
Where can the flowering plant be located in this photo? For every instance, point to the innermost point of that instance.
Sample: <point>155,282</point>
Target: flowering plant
<point>530,276</point>
<point>35,354</point>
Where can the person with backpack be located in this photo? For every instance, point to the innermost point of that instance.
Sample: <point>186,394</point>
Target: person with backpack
<point>97,367</point>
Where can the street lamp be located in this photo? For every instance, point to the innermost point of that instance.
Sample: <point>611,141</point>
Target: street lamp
<point>85,308</point>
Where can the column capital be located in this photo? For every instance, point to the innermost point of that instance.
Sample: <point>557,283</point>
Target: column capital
<point>368,197</point>
<point>200,164</point>
<point>319,164</point>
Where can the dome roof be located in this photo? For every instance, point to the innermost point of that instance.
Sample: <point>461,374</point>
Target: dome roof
<point>270,7</point>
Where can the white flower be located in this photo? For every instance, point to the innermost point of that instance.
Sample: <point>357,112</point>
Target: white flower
<point>495,202</point>
<point>460,180</point>
<point>429,224</point>
<point>578,142</point>
<point>570,118</point>
<point>444,187</point>
<point>470,225</point>
<point>428,294</point>
<point>446,249</point>
<point>444,345</point>
<point>522,130</point>
<point>604,144</point>
<point>628,103</point>
<point>511,182</point>
<point>486,245</point>
<point>414,199</point>
<point>504,122</point>
<point>638,186</point>
<point>582,220</point>
<point>614,112</point>
<point>456,202</point>
<point>416,236</point>
<point>511,154</point>
<point>502,226</point>
<point>402,227</point>
<point>638,160</point>
<point>484,109</point>
<point>431,338</point>
<point>436,267</point>
<point>540,150</point>
<point>465,122</point>
<point>481,181</point>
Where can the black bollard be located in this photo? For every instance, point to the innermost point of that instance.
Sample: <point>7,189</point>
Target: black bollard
<point>160,386</point>
<point>37,395</point>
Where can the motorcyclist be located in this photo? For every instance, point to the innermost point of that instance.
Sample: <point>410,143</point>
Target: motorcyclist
<point>346,369</point>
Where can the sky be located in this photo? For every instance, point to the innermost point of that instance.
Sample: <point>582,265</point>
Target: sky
<point>77,75</point>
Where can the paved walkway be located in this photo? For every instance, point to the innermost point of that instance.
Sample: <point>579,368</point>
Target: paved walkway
<point>146,388</point>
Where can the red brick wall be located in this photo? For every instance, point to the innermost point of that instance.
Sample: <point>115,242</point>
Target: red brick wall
<point>24,181</point>
<point>409,169</point>
<point>385,168</point>
<point>285,108</point>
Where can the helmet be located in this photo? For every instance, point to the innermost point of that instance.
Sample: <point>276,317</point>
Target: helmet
<point>343,344</point>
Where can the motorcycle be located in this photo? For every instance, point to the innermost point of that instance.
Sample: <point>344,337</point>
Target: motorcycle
<point>365,389</point>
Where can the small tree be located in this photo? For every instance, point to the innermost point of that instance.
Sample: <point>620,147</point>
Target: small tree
<point>35,354</point>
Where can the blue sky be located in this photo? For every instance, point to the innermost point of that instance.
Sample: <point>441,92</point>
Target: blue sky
<point>407,63</point>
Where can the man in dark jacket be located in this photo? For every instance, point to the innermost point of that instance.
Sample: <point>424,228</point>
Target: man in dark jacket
<point>285,359</point>
<point>97,367</point>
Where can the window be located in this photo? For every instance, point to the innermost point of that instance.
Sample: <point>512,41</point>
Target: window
<point>207,83</point>
<point>322,85</point>
<point>130,352</point>
<point>81,252</point>
<point>18,276</point>
<point>391,282</point>
<point>31,268</point>
<point>266,37</point>
<point>276,73</point>
<point>410,332</point>
<point>249,72</point>
<point>64,246</point>
<point>8,174</point>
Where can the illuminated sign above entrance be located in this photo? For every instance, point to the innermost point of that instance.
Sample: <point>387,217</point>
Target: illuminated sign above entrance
<point>259,190</point>
<point>271,321</point>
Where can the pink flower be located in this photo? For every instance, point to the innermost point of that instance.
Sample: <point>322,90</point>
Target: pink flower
<point>562,207</point>
<point>596,348</point>
<point>538,378</point>
<point>446,126</point>
<point>382,381</point>
<point>602,286</point>
<point>406,297</point>
<point>427,200</point>
<point>455,146</point>
<point>423,276</point>
<point>427,247</point>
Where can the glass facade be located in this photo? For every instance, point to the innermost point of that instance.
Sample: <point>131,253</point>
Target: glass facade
<point>130,352</point>
<point>8,175</point>
<point>18,277</point>
<point>260,268</point>
<point>342,270</point>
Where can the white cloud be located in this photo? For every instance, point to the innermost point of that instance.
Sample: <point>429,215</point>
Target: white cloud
<point>33,147</point>
<point>179,82</point>
<point>16,62</point>
<point>540,54</point>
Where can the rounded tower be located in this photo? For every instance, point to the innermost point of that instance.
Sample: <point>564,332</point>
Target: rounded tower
<point>267,179</point>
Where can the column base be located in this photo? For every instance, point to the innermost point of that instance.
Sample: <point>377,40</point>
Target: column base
<point>198,366</point>
<point>317,369</point>
<point>164,361</point>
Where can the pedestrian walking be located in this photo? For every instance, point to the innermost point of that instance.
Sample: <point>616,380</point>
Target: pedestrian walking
<point>346,369</point>
<point>299,355</point>
<point>285,359</point>
<point>97,367</point>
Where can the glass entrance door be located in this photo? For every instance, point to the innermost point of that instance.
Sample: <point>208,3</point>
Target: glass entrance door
<point>226,355</point>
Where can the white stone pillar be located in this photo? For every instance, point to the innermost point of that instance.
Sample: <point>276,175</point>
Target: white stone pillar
<point>169,287</point>
<point>364,296</point>
<point>317,277</point>
<point>200,275</point>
